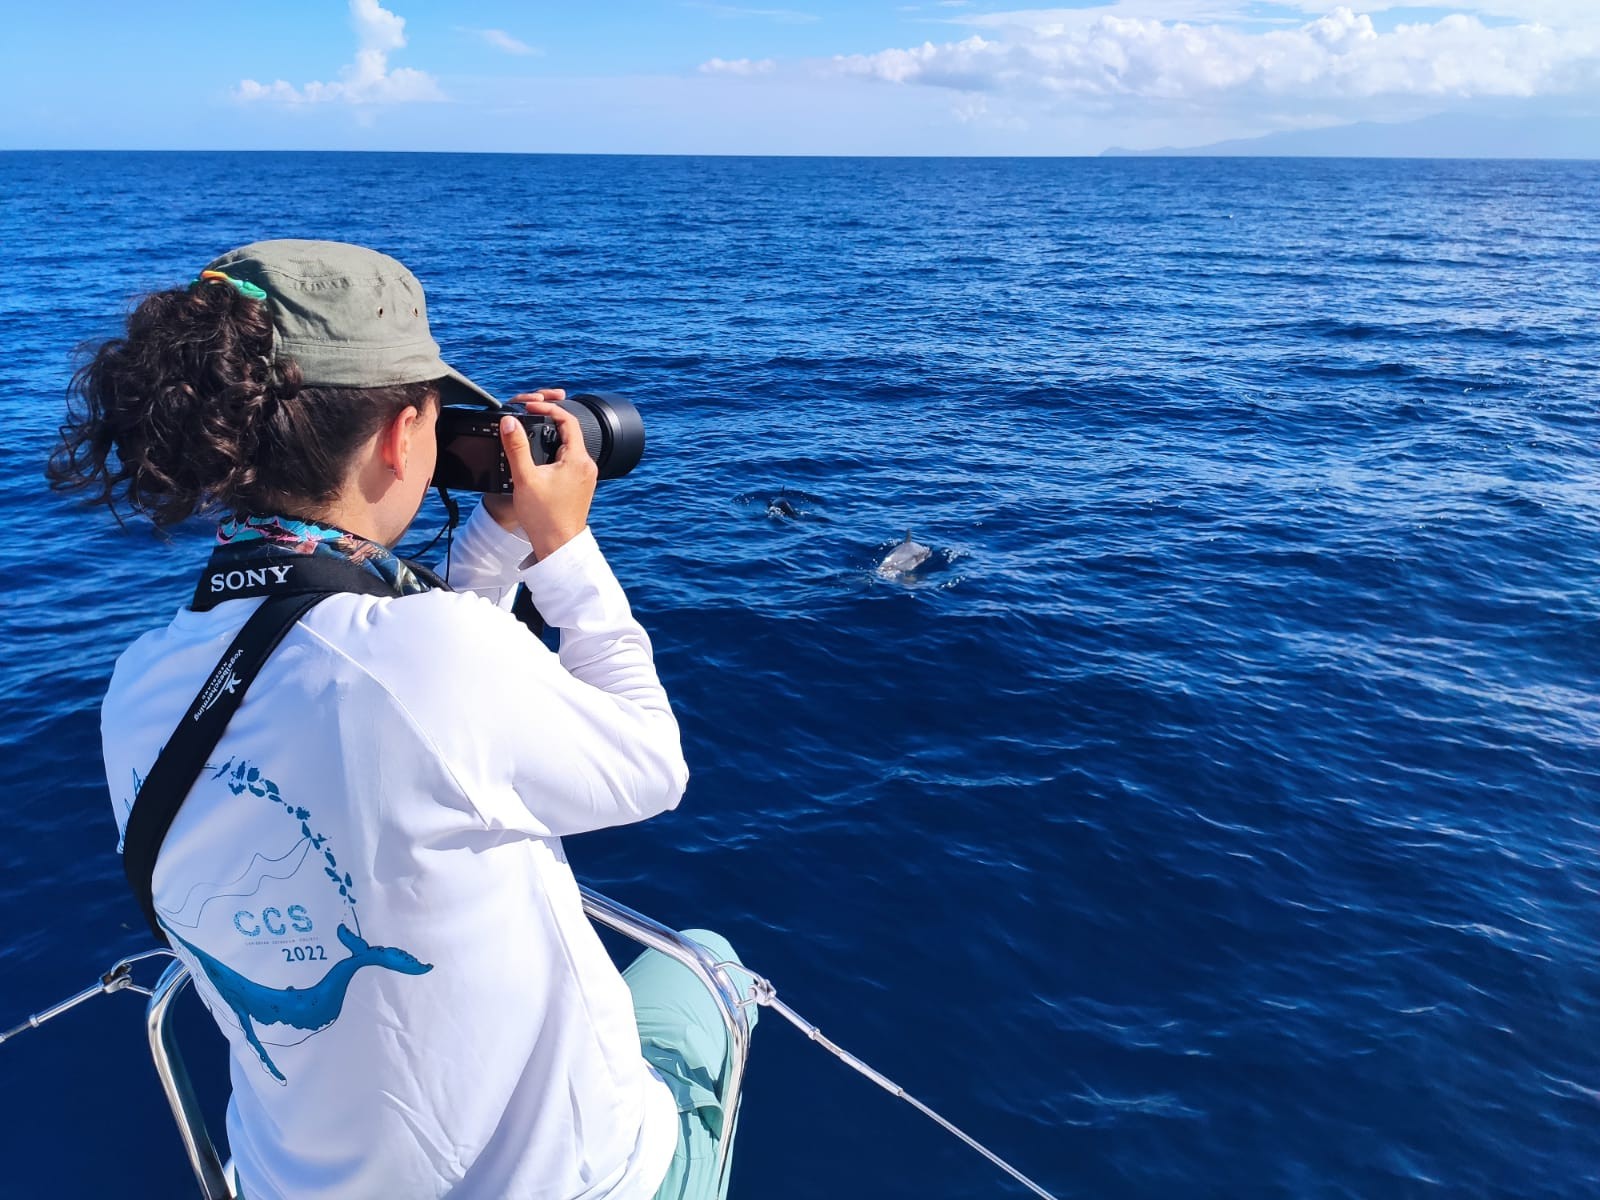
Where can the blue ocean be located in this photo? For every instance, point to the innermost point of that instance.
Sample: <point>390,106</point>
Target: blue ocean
<point>1215,813</point>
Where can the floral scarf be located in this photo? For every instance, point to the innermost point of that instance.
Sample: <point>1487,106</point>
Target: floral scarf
<point>244,540</point>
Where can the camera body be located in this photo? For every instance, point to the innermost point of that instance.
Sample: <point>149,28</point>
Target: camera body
<point>471,456</point>
<point>472,459</point>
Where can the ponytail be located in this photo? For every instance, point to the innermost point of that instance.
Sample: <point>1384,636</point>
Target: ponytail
<point>190,413</point>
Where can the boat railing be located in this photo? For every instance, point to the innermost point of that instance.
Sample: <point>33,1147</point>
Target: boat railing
<point>712,972</point>
<point>734,1001</point>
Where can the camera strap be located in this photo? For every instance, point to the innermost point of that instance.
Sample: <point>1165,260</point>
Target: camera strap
<point>180,760</point>
<point>294,574</point>
<point>292,585</point>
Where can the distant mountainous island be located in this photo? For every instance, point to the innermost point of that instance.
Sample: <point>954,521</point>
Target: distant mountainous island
<point>1449,135</point>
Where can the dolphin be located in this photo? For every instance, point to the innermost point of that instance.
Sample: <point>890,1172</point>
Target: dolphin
<point>904,558</point>
<point>312,1008</point>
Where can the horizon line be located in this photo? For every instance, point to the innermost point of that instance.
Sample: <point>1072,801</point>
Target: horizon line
<point>1111,152</point>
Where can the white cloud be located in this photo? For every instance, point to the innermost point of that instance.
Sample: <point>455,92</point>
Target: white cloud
<point>973,65</point>
<point>783,16</point>
<point>368,79</point>
<point>1094,58</point>
<point>501,40</point>
<point>1549,12</point>
<point>975,110</point>
<point>738,66</point>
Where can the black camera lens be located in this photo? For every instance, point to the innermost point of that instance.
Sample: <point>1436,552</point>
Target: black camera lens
<point>471,458</point>
<point>613,431</point>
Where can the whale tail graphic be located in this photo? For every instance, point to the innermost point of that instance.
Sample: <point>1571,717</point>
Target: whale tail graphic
<point>391,957</point>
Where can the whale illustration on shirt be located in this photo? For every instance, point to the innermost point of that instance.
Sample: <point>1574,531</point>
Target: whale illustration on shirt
<point>311,1008</point>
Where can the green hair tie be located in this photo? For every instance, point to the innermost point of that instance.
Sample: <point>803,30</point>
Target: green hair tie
<point>243,286</point>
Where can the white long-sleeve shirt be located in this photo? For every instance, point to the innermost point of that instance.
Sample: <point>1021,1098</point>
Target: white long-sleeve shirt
<point>368,882</point>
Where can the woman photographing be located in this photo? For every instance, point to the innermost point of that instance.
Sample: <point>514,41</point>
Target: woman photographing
<point>366,878</point>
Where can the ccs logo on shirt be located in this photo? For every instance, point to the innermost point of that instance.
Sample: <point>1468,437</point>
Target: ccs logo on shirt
<point>273,921</point>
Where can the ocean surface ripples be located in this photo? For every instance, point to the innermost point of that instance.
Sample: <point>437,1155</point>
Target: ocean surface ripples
<point>1213,814</point>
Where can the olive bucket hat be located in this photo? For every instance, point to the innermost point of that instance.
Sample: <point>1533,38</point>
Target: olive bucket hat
<point>349,316</point>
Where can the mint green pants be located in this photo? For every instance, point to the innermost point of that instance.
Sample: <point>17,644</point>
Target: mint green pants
<point>684,1039</point>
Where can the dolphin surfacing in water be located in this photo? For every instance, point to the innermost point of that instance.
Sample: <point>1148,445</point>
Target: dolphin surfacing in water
<point>312,1008</point>
<point>904,558</point>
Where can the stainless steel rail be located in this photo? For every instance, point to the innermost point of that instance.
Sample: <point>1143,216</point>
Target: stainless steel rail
<point>712,973</point>
<point>164,1052</point>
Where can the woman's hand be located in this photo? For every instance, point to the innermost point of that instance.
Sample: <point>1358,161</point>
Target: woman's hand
<point>499,506</point>
<point>549,503</point>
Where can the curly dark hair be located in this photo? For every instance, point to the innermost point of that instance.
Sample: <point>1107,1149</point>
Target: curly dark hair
<point>189,414</point>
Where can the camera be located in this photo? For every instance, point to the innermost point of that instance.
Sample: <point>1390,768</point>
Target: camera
<point>471,458</point>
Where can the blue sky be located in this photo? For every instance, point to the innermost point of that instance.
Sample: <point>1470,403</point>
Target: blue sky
<point>807,77</point>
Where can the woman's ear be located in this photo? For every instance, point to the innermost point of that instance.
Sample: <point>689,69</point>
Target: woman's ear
<point>394,443</point>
